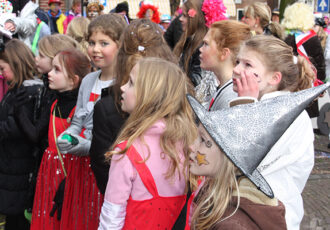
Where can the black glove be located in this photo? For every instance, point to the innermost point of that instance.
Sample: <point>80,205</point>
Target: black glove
<point>58,200</point>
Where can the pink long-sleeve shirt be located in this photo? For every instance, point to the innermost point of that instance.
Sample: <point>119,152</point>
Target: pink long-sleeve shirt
<point>124,181</point>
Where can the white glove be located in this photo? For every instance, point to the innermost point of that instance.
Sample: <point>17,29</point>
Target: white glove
<point>80,149</point>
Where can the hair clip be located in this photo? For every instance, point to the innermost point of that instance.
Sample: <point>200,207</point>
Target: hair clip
<point>192,13</point>
<point>295,60</point>
<point>140,48</point>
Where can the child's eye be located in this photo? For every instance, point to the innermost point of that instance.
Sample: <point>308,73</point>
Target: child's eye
<point>104,43</point>
<point>130,82</point>
<point>237,62</point>
<point>91,43</point>
<point>248,64</point>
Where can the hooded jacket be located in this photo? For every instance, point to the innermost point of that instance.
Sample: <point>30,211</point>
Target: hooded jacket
<point>255,211</point>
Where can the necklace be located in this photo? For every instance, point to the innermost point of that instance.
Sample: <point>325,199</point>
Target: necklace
<point>59,113</point>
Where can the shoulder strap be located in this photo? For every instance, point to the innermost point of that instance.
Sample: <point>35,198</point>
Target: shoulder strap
<point>141,168</point>
<point>55,138</point>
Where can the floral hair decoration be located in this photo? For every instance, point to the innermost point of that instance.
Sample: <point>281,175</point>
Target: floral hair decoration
<point>192,13</point>
<point>214,10</point>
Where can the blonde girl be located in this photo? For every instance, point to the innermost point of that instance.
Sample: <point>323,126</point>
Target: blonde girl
<point>258,17</point>
<point>142,38</point>
<point>147,178</point>
<point>230,146</point>
<point>266,68</point>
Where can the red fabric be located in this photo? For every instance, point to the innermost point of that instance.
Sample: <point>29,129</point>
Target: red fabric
<point>93,97</point>
<point>211,103</point>
<point>144,7</point>
<point>191,198</point>
<point>82,199</point>
<point>155,213</point>
<point>49,177</point>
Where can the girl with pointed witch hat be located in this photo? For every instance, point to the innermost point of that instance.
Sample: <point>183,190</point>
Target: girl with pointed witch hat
<point>231,144</point>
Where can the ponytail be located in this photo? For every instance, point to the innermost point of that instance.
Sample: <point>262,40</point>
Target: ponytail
<point>307,74</point>
<point>275,29</point>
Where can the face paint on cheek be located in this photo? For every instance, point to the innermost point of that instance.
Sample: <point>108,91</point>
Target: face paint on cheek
<point>201,159</point>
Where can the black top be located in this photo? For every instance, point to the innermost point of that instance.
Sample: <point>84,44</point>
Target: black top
<point>107,122</point>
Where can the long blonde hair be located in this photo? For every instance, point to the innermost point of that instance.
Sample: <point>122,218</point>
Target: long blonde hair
<point>77,29</point>
<point>214,197</point>
<point>161,89</point>
<point>50,45</point>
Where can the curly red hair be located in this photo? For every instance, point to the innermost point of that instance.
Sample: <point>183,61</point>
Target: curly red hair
<point>143,9</point>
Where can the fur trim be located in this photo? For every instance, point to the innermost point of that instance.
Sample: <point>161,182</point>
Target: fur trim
<point>249,191</point>
<point>144,8</point>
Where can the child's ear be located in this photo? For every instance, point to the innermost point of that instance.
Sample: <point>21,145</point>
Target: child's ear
<point>76,80</point>
<point>257,21</point>
<point>276,78</point>
<point>224,54</point>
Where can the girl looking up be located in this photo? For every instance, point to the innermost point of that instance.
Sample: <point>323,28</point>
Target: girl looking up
<point>147,177</point>
<point>218,54</point>
<point>267,68</point>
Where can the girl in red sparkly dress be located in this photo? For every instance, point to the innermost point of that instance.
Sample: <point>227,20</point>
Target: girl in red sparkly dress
<point>68,68</point>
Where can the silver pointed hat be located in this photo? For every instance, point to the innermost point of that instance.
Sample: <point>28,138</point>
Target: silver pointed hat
<point>246,133</point>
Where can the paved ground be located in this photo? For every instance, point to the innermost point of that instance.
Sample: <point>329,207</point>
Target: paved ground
<point>317,191</point>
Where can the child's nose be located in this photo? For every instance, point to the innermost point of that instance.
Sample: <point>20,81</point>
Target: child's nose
<point>96,47</point>
<point>237,69</point>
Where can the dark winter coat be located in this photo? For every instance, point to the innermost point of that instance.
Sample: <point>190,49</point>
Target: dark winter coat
<point>36,130</point>
<point>16,152</point>
<point>173,32</point>
<point>194,66</point>
<point>107,122</point>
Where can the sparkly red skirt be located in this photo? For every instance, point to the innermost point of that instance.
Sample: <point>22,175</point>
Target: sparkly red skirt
<point>82,200</point>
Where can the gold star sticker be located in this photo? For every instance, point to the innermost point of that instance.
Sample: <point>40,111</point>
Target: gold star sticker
<point>201,159</point>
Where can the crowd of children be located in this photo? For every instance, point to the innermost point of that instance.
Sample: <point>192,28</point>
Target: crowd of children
<point>100,129</point>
